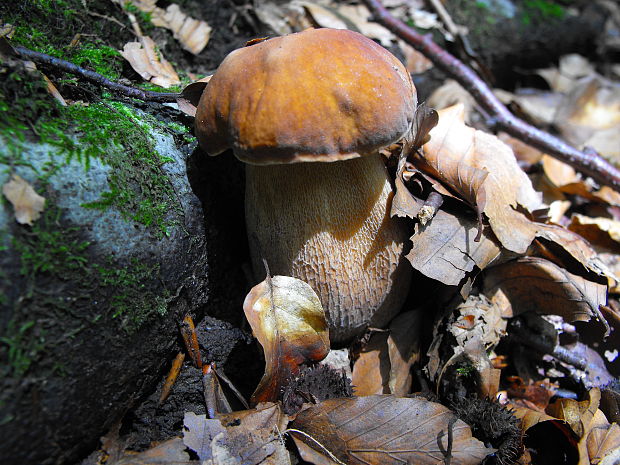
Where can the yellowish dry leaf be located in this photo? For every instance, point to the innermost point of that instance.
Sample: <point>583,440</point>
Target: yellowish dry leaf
<point>484,172</point>
<point>288,320</point>
<point>149,64</point>
<point>28,205</point>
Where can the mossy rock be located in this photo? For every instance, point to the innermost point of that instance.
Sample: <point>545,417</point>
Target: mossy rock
<point>92,292</point>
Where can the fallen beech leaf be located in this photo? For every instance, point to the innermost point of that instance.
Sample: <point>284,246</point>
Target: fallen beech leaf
<point>535,284</point>
<point>27,203</point>
<point>166,453</point>
<point>540,106</point>
<point>536,393</point>
<point>249,436</point>
<point>578,414</point>
<point>529,417</point>
<point>451,93</point>
<point>145,61</point>
<point>445,249</point>
<point>191,33</point>
<point>371,371</point>
<point>524,153</point>
<point>385,430</point>
<point>484,172</point>
<point>592,106</point>
<point>415,62</point>
<point>573,248</point>
<point>602,232</point>
<point>384,365</point>
<point>288,320</point>
<point>603,440</point>
<point>188,101</point>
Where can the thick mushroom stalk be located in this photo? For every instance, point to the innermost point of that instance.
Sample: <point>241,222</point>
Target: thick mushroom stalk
<point>329,224</point>
<point>309,112</point>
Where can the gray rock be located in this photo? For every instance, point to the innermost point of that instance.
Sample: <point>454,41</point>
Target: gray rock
<point>91,294</point>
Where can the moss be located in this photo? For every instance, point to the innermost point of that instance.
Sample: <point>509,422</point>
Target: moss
<point>536,11</point>
<point>134,304</point>
<point>65,29</point>
<point>106,130</point>
<point>21,347</point>
<point>139,190</point>
<point>48,249</point>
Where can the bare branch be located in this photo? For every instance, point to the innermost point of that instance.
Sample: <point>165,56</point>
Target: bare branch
<point>588,162</point>
<point>95,78</point>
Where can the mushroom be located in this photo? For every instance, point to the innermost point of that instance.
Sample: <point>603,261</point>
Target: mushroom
<point>308,113</point>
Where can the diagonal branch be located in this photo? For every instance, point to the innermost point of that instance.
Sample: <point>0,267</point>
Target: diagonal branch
<point>588,162</point>
<point>95,78</point>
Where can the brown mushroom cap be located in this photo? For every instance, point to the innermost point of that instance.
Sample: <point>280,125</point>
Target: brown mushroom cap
<point>317,95</point>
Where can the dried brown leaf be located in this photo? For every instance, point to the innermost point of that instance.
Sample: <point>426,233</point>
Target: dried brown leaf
<point>385,430</point>
<point>535,284</point>
<point>193,34</point>
<point>478,317</point>
<point>384,365</point>
<point>445,249</point>
<point>249,436</point>
<point>288,320</point>
<point>484,172</point>
<point>149,64</point>
<point>602,232</point>
<point>590,115</point>
<point>166,453</point>
<point>371,371</point>
<point>190,96</point>
<point>529,417</point>
<point>403,350</point>
<point>28,205</point>
<point>603,440</point>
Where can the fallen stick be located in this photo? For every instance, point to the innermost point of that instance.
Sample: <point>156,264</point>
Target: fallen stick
<point>588,162</point>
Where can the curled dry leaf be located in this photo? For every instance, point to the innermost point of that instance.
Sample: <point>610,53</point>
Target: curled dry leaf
<point>27,203</point>
<point>288,320</point>
<point>445,248</point>
<point>484,172</point>
<point>602,232</point>
<point>249,436</point>
<point>384,430</point>
<point>171,451</point>
<point>189,98</point>
<point>191,33</point>
<point>590,115</point>
<point>145,61</point>
<point>384,365</point>
<point>535,284</point>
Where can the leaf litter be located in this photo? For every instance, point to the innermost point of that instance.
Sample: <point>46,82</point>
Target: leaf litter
<point>503,245</point>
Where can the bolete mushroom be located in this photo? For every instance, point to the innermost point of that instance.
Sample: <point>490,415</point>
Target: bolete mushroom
<point>307,113</point>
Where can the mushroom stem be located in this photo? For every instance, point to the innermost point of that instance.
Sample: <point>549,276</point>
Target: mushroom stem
<point>329,224</point>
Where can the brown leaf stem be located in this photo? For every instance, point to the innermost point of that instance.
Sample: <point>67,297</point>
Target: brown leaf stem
<point>587,161</point>
<point>96,78</point>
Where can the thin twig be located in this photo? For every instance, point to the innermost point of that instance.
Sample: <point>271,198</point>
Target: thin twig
<point>96,78</point>
<point>588,162</point>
